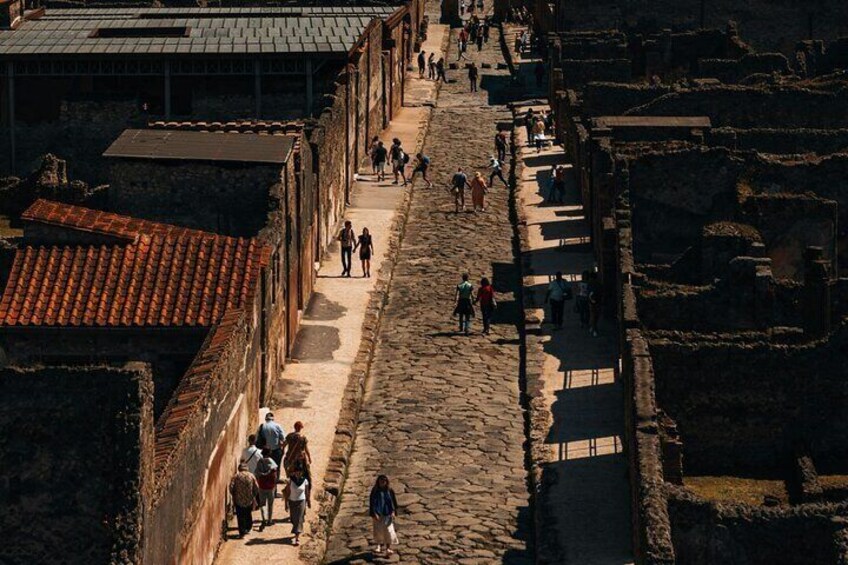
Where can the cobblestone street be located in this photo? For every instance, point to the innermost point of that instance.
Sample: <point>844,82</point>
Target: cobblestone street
<point>442,415</point>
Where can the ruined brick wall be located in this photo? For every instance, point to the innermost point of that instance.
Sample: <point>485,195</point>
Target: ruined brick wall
<point>769,25</point>
<point>786,141</point>
<point>741,406</point>
<point>577,73</point>
<point>705,533</point>
<point>196,459</point>
<point>750,107</point>
<point>230,199</point>
<point>72,468</point>
<point>613,99</point>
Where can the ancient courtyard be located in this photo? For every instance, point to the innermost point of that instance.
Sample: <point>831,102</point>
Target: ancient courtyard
<point>226,338</point>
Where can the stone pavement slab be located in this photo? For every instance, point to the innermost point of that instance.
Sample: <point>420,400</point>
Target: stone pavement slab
<point>312,386</point>
<point>442,415</point>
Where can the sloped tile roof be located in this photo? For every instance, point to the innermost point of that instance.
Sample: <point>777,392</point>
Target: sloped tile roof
<point>165,276</point>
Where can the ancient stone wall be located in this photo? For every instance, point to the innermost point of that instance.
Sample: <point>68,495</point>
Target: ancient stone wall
<point>780,141</point>
<point>706,533</point>
<point>741,407</point>
<point>72,469</point>
<point>230,199</point>
<point>199,441</point>
<point>750,107</point>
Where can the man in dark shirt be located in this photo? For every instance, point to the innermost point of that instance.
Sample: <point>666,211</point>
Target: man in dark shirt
<point>347,237</point>
<point>472,76</point>
<point>459,182</point>
<point>381,155</point>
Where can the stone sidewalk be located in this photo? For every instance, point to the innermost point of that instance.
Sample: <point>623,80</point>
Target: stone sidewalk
<point>583,507</point>
<point>442,415</point>
<point>313,384</point>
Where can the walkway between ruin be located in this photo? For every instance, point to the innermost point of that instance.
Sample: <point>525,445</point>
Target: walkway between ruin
<point>442,416</point>
<point>313,383</point>
<point>586,501</point>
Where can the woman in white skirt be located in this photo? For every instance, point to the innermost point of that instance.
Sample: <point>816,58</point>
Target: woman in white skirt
<point>298,497</point>
<point>382,507</point>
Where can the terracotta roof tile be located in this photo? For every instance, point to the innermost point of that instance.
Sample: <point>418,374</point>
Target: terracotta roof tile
<point>163,276</point>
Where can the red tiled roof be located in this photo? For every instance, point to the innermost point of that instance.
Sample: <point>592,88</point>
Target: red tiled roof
<point>167,276</point>
<point>99,222</point>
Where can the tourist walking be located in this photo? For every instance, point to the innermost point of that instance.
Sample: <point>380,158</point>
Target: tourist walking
<point>473,73</point>
<point>366,248</point>
<point>497,172</point>
<point>297,497</point>
<point>244,491</point>
<point>431,65</point>
<point>501,145</point>
<point>422,64</point>
<point>581,302</point>
<point>399,160</point>
<point>382,507</point>
<point>529,120</point>
<point>440,70</point>
<point>458,184</point>
<point>486,25</point>
<point>557,193</point>
<point>297,452</point>
<point>464,308</point>
<point>539,134</point>
<point>347,239</point>
<point>486,299</point>
<point>272,436</point>
<point>266,478</point>
<point>480,38</point>
<point>422,165</point>
<point>478,192</point>
<point>462,43</point>
<point>251,454</point>
<point>380,156</point>
<point>558,293</point>
<point>372,150</point>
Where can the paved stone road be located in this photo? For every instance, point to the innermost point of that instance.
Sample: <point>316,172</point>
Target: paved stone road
<point>443,416</point>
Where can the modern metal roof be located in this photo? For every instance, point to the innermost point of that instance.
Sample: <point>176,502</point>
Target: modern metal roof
<point>201,146</point>
<point>190,31</point>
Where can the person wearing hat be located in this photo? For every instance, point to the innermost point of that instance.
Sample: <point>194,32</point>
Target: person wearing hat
<point>244,490</point>
<point>271,435</point>
<point>497,171</point>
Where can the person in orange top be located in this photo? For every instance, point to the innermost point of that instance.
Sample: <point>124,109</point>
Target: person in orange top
<point>478,192</point>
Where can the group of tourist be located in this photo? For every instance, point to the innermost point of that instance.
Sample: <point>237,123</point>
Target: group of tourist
<point>586,305</point>
<point>254,487</point>
<point>475,31</point>
<point>434,69</point>
<point>539,127</point>
<point>465,299</point>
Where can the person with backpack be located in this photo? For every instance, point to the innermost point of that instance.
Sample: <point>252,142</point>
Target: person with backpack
<point>399,160</point>
<point>251,454</point>
<point>421,166</point>
<point>473,73</point>
<point>497,171</point>
<point>558,293</point>
<point>464,308</point>
<point>270,435</point>
<point>266,478</point>
<point>458,184</point>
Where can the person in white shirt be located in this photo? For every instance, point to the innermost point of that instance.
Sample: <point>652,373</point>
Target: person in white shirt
<point>297,497</point>
<point>558,293</point>
<point>251,454</point>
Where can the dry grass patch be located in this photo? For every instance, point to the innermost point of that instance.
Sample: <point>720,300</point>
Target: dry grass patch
<point>737,489</point>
